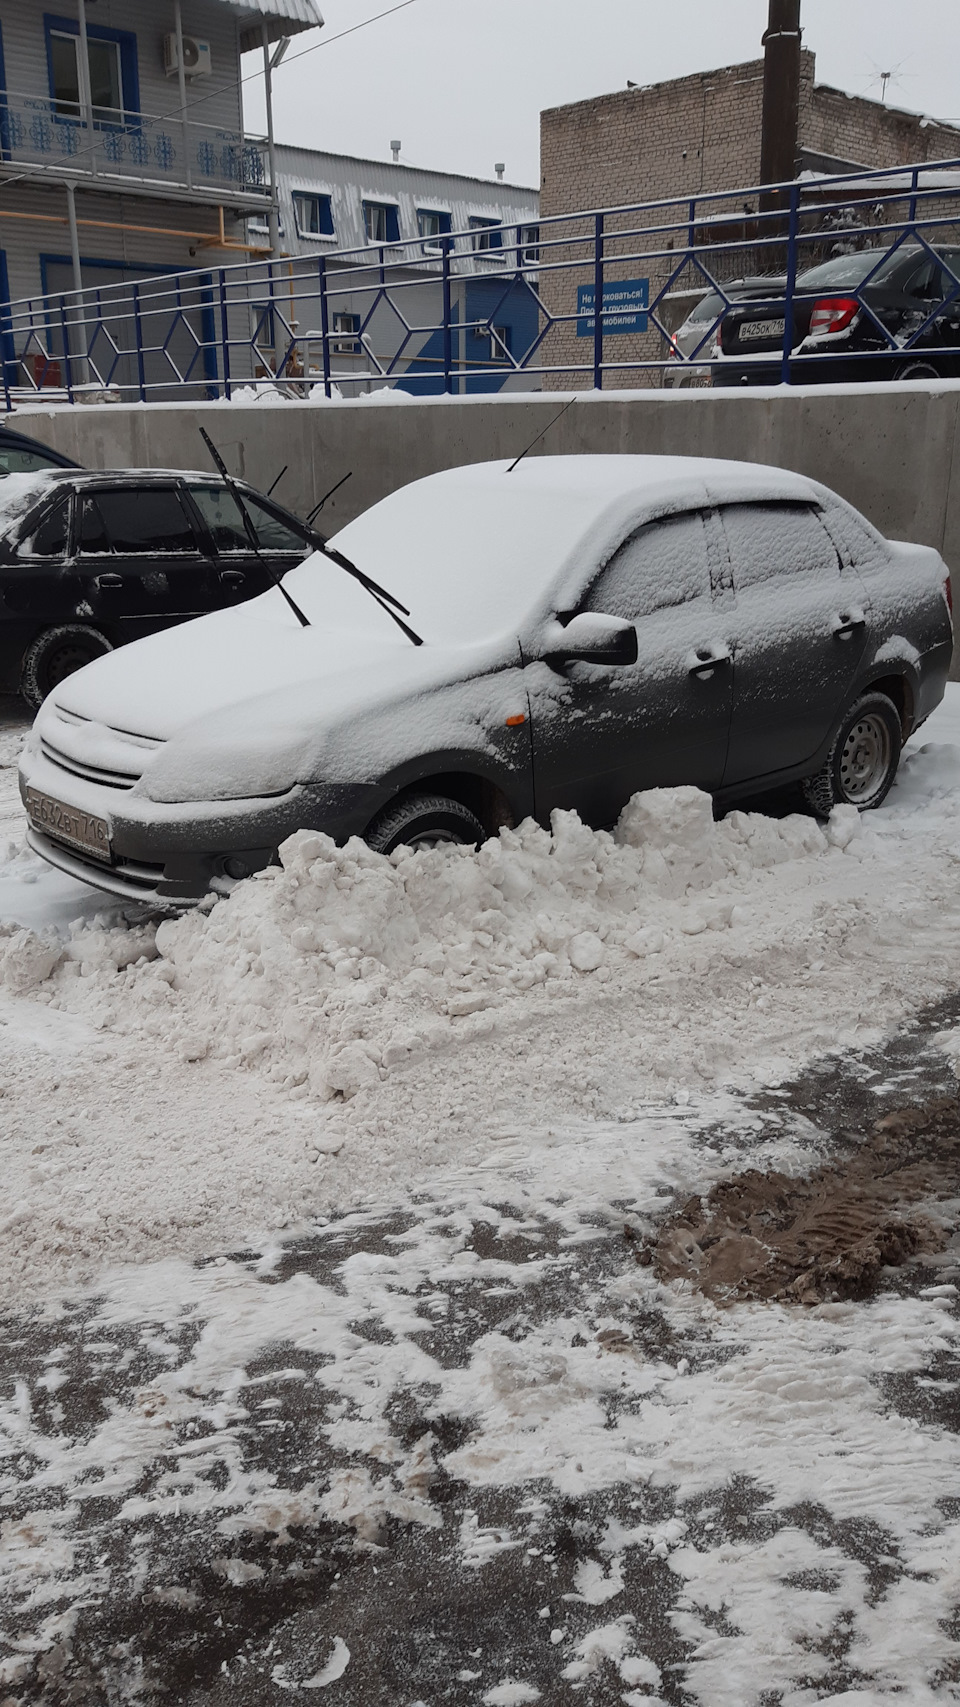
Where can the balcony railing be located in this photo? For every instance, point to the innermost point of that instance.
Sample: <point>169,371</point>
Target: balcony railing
<point>130,148</point>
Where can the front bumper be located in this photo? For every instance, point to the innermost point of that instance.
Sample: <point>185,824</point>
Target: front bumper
<point>173,855</point>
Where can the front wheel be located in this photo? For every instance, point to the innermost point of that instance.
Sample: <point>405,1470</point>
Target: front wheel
<point>863,759</point>
<point>424,821</point>
<point>54,655</point>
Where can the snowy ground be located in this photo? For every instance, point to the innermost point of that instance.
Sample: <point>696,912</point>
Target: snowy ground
<point>313,1252</point>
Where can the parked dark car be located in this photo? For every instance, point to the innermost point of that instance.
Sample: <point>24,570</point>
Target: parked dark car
<point>694,344</point>
<point>20,455</point>
<point>91,561</point>
<point>585,627</point>
<point>841,309</point>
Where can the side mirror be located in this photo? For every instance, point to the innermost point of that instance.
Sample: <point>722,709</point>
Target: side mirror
<point>591,638</point>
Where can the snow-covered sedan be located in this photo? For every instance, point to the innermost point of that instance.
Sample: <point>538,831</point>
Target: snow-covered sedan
<point>493,642</point>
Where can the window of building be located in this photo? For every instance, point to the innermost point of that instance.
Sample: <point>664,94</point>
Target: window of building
<point>112,67</point>
<point>487,234</point>
<point>345,341</point>
<point>381,222</point>
<point>313,214</point>
<point>499,343</point>
<point>529,237</point>
<point>432,225</point>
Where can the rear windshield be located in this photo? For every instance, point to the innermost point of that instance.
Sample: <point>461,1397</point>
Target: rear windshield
<point>711,306</point>
<point>846,269</point>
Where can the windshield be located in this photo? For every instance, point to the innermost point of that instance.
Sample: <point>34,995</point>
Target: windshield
<point>709,309</point>
<point>471,556</point>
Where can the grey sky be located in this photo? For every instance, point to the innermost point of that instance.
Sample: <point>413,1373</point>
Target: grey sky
<point>461,82</point>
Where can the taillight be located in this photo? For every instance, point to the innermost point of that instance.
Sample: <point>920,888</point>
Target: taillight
<point>948,594</point>
<point>834,313</point>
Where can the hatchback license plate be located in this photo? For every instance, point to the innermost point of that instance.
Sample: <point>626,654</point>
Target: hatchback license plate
<point>757,329</point>
<point>68,824</point>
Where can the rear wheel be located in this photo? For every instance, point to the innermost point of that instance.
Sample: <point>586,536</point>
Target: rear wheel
<point>918,369</point>
<point>54,655</point>
<point>424,821</point>
<point>863,760</point>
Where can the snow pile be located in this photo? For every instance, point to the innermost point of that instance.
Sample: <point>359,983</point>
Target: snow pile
<point>342,964</point>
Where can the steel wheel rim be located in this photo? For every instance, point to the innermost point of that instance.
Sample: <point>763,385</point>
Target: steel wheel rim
<point>438,838</point>
<point>865,760</point>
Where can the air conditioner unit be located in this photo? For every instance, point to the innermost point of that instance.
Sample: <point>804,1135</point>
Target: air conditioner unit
<point>197,61</point>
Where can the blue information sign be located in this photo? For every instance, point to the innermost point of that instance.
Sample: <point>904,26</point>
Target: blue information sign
<point>625,304</point>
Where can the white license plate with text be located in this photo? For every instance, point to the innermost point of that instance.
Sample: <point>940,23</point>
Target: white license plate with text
<point>68,824</point>
<point>757,329</point>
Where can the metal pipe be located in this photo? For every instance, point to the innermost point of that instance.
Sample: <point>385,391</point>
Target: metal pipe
<point>273,217</point>
<point>77,275</point>
<point>182,83</point>
<point>86,94</point>
<point>781,96</point>
<point>202,237</point>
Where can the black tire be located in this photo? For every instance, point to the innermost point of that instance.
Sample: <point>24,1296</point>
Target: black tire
<point>54,655</point>
<point>424,821</point>
<point>863,759</point>
<point>918,369</point>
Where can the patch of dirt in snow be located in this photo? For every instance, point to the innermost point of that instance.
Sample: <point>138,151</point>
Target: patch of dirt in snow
<point>829,1234</point>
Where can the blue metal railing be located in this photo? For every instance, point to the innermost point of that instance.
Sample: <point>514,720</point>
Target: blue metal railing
<point>592,298</point>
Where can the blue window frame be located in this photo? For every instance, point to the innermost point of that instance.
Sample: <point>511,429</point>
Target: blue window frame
<point>381,222</point>
<point>313,213</point>
<point>432,224</point>
<point>113,72</point>
<point>487,234</point>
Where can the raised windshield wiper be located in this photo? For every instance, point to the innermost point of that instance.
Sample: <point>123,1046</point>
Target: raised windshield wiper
<point>385,600</point>
<point>249,530</point>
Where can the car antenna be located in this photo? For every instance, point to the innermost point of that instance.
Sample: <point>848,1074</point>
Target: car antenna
<point>248,528</point>
<point>318,507</point>
<point>542,435</point>
<point>272,489</point>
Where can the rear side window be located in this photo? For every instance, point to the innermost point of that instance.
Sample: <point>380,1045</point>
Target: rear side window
<point>151,520</point>
<point>771,541</point>
<point>20,459</point>
<point>663,564</point>
<point>49,538</point>
<point>221,513</point>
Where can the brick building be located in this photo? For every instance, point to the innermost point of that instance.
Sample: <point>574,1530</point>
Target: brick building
<point>694,136</point>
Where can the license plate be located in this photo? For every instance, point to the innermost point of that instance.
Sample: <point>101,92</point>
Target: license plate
<point>69,824</point>
<point>756,329</point>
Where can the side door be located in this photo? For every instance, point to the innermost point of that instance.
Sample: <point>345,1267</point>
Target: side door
<point>799,629</point>
<point>601,733</point>
<point>237,571</point>
<point>140,559</point>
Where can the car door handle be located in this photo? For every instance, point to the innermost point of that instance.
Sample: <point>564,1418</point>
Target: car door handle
<point>232,577</point>
<point>846,624</point>
<point>705,660</point>
<point>108,582</point>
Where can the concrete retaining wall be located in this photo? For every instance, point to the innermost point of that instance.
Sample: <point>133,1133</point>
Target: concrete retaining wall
<point>892,451</point>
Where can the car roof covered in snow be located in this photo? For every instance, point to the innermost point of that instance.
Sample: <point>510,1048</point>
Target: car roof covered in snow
<point>475,551</point>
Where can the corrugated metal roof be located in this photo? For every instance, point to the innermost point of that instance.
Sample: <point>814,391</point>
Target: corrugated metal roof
<point>282,18</point>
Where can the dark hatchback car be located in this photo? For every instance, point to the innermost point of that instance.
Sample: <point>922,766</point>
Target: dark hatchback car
<point>90,561</point>
<point>852,307</point>
<point>22,455</point>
